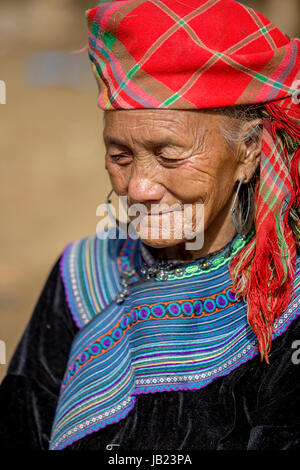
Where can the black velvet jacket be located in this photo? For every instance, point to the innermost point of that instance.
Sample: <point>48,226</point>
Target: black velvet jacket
<point>257,406</point>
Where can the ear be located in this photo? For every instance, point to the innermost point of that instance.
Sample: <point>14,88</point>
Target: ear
<point>249,148</point>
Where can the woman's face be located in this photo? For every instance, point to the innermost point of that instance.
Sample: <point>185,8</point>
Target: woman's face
<point>170,158</point>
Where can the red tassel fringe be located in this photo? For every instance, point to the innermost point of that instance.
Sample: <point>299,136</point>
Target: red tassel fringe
<point>269,284</point>
<point>280,120</point>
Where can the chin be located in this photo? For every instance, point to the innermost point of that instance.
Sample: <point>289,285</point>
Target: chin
<point>160,243</point>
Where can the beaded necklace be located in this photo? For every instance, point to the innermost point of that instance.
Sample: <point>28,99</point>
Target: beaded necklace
<point>163,270</point>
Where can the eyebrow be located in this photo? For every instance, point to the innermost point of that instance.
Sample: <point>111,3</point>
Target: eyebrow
<point>110,140</point>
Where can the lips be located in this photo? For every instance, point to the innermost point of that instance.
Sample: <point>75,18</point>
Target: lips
<point>150,214</point>
<point>155,210</point>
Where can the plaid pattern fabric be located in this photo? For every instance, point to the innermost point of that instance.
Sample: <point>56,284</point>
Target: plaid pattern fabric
<point>188,55</point>
<point>264,270</point>
<point>208,54</point>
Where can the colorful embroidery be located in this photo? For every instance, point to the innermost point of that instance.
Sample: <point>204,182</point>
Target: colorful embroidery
<point>92,281</point>
<point>180,309</point>
<point>195,332</point>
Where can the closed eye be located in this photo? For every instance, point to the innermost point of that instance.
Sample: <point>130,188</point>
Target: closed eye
<point>117,156</point>
<point>168,160</point>
<point>120,157</point>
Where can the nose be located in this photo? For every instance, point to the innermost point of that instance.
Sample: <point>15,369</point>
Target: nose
<point>143,185</point>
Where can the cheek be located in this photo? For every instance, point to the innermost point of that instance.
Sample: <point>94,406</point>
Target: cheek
<point>226,177</point>
<point>207,180</point>
<point>221,187</point>
<point>190,183</point>
<point>119,176</point>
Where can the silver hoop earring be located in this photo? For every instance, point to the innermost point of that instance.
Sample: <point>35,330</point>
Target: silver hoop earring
<point>243,222</point>
<point>121,225</point>
<point>108,201</point>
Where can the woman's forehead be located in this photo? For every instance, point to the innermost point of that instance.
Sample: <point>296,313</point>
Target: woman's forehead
<point>157,128</point>
<point>152,118</point>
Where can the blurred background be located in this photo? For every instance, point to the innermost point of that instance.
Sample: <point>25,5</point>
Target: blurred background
<point>52,156</point>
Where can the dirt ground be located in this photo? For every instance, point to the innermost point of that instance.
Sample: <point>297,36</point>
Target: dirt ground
<point>52,174</point>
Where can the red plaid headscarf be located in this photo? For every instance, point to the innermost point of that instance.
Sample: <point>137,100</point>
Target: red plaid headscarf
<point>199,54</point>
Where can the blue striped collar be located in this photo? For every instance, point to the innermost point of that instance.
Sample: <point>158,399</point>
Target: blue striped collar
<point>179,334</point>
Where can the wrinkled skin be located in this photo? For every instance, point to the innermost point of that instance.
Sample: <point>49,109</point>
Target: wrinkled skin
<point>167,157</point>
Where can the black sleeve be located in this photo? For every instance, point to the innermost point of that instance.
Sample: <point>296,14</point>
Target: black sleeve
<point>275,408</point>
<point>29,391</point>
<point>262,401</point>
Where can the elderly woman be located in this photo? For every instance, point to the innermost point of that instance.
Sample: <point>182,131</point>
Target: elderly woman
<point>153,341</point>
